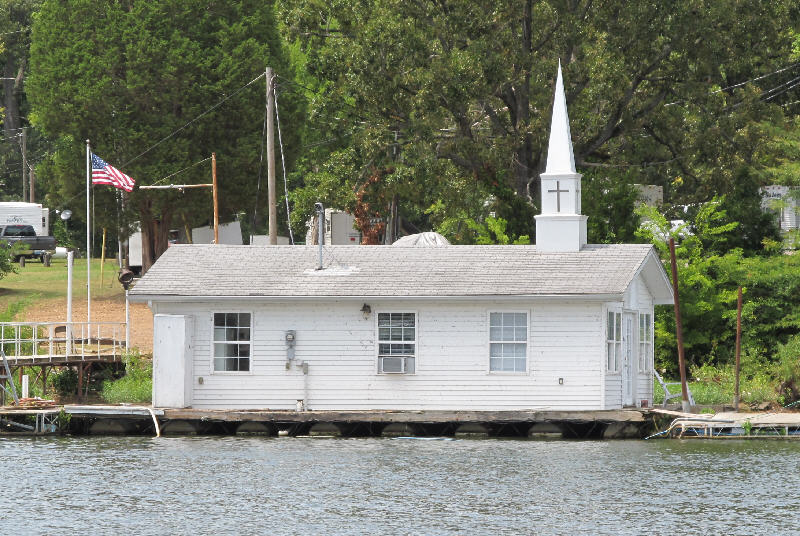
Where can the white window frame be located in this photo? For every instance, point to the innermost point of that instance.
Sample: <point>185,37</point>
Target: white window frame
<point>213,341</point>
<point>613,362</point>
<point>646,342</point>
<point>526,342</point>
<point>379,357</point>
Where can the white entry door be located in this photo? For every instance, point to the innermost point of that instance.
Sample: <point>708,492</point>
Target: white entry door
<point>628,359</point>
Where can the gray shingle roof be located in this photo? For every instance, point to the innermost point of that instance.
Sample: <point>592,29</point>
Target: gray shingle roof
<point>375,271</point>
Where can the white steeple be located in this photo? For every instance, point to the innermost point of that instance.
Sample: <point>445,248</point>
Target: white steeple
<point>559,151</point>
<point>560,226</point>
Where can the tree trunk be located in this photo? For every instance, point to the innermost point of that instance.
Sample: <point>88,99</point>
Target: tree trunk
<point>11,115</point>
<point>155,235</point>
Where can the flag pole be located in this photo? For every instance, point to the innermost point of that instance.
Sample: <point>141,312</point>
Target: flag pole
<point>88,237</point>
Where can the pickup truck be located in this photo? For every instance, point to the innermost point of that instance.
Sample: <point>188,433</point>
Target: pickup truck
<point>32,245</point>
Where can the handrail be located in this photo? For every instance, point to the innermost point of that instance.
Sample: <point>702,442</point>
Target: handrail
<point>45,341</point>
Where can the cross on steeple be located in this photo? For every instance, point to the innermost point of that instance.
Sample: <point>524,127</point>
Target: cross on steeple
<point>558,191</point>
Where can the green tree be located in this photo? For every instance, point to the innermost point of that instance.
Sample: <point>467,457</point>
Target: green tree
<point>128,75</point>
<point>461,92</point>
<point>16,17</point>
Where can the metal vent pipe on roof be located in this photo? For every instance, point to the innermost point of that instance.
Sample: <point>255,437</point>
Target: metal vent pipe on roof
<point>321,225</point>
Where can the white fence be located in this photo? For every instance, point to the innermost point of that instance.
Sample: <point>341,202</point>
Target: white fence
<point>43,342</point>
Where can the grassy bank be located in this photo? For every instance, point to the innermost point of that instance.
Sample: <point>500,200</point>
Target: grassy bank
<point>137,384</point>
<point>776,381</point>
<point>38,282</point>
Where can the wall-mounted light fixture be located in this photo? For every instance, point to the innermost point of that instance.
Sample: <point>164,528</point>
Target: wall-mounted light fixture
<point>366,310</point>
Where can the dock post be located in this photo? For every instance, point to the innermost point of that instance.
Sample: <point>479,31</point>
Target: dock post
<point>679,328</point>
<point>738,349</point>
<point>80,381</point>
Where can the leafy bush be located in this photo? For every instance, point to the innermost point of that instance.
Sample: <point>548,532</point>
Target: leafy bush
<point>65,382</point>
<point>787,370</point>
<point>135,386</point>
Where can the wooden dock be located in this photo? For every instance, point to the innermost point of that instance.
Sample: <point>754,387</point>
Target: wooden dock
<point>731,425</point>
<point>612,424</point>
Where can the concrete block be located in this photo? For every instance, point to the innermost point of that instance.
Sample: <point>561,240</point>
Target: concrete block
<point>180,427</point>
<point>254,428</point>
<point>472,430</point>
<point>325,429</point>
<point>545,430</point>
<point>399,429</point>
<point>622,430</point>
<point>112,427</point>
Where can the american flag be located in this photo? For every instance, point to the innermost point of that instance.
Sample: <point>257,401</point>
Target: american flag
<point>102,173</point>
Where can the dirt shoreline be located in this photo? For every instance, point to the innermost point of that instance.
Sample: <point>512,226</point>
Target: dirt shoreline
<point>103,310</point>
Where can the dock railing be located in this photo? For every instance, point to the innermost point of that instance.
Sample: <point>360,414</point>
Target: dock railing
<point>35,343</point>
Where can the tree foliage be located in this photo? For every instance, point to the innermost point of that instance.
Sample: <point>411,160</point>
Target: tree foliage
<point>708,278</point>
<point>129,74</point>
<point>460,93</point>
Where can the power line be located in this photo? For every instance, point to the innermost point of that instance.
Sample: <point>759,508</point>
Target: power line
<point>740,84</point>
<point>260,161</point>
<point>17,31</point>
<point>181,171</point>
<point>217,105</point>
<point>796,83</point>
<point>283,165</point>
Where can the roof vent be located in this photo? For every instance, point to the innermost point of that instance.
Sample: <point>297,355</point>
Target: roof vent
<point>321,225</point>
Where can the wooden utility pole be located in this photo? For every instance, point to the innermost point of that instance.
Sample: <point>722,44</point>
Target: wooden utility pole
<point>273,215</point>
<point>24,165</point>
<point>214,193</point>
<point>32,178</point>
<point>738,348</point>
<point>678,327</point>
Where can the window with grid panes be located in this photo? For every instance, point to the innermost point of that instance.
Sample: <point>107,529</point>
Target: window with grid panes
<point>614,341</point>
<point>645,342</point>
<point>397,343</point>
<point>231,342</point>
<point>508,342</point>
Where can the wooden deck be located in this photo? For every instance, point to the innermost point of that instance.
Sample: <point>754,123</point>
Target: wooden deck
<point>136,419</point>
<point>393,416</point>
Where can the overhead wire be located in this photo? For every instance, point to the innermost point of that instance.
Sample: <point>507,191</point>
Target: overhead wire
<point>283,165</point>
<point>740,84</point>
<point>260,160</point>
<point>17,31</point>
<point>794,85</point>
<point>181,171</point>
<point>209,110</point>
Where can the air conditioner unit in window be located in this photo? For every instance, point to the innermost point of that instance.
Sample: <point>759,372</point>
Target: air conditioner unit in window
<point>393,365</point>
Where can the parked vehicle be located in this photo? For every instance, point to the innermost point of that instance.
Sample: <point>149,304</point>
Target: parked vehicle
<point>41,247</point>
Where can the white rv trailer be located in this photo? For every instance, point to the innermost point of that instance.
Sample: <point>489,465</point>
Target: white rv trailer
<point>17,213</point>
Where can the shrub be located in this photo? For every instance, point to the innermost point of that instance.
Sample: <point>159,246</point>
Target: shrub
<point>65,382</point>
<point>135,386</point>
<point>787,370</point>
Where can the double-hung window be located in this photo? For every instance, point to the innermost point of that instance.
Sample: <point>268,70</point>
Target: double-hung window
<point>232,342</point>
<point>645,342</point>
<point>397,343</point>
<point>508,342</point>
<point>614,341</point>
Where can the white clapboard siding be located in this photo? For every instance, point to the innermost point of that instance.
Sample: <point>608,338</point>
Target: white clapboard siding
<point>452,366</point>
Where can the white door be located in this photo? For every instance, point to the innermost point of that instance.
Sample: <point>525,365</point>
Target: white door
<point>628,359</point>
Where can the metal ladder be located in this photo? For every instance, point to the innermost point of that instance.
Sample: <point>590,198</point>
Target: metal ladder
<point>5,374</point>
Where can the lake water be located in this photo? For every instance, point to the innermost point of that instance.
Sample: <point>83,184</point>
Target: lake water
<point>231,485</point>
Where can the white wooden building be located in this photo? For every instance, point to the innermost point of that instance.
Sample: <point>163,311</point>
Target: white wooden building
<point>560,325</point>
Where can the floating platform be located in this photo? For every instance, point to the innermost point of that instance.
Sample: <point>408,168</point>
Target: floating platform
<point>731,425</point>
<point>124,420</point>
